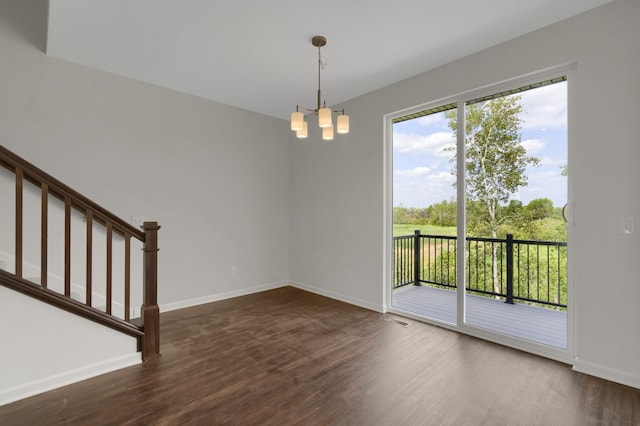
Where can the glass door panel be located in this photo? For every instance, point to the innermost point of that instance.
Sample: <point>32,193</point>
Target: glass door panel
<point>424,214</point>
<point>516,236</point>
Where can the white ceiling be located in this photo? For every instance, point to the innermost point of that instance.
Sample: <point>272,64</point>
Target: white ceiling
<point>257,54</point>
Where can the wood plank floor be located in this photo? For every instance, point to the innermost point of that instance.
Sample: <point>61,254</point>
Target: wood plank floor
<point>286,356</point>
<point>541,325</point>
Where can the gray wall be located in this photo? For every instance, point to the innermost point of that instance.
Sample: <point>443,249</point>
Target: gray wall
<point>216,178</point>
<point>213,176</point>
<point>52,347</point>
<point>234,189</point>
<point>337,191</point>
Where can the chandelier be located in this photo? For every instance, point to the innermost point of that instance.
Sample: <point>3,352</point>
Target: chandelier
<point>325,114</point>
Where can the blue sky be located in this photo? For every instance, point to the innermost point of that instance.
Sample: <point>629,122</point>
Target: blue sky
<point>422,170</point>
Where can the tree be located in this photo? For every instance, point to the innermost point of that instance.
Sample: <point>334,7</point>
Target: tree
<point>539,208</point>
<point>443,213</point>
<point>400,215</point>
<point>495,158</point>
<point>565,170</point>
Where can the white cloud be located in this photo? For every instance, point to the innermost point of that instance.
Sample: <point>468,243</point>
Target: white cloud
<point>417,188</point>
<point>422,192</point>
<point>546,182</point>
<point>432,120</point>
<point>443,177</point>
<point>545,107</point>
<point>557,162</point>
<point>546,177</point>
<point>533,145</point>
<point>418,171</point>
<point>433,143</point>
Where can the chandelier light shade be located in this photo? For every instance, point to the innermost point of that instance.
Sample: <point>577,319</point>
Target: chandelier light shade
<point>343,124</point>
<point>296,121</point>
<point>327,133</point>
<point>324,117</point>
<point>304,132</point>
<point>324,113</point>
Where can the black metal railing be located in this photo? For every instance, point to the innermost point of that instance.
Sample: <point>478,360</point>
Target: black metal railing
<point>513,270</point>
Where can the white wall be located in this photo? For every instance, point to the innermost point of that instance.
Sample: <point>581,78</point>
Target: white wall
<point>213,176</point>
<point>337,190</point>
<point>44,351</point>
<point>216,178</point>
<point>234,189</point>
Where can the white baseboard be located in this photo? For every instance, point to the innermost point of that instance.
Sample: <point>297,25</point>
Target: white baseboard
<point>607,373</point>
<point>338,296</point>
<point>66,378</point>
<point>220,296</point>
<point>250,290</point>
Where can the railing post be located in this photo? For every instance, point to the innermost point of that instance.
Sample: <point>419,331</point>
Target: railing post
<point>509,269</point>
<point>19,223</point>
<point>416,258</point>
<point>150,310</point>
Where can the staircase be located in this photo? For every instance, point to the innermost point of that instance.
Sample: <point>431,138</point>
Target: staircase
<point>144,323</point>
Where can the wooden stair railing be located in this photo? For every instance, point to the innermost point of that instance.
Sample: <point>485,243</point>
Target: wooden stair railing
<point>146,328</point>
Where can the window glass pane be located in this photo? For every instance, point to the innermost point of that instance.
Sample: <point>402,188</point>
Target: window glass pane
<point>516,188</point>
<point>424,200</point>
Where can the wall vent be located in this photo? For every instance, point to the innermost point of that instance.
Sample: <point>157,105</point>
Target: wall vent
<point>397,321</point>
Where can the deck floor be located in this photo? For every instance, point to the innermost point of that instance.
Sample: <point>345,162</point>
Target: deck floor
<point>541,325</point>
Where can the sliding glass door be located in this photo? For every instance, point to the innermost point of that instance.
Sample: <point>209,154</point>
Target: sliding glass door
<point>490,170</point>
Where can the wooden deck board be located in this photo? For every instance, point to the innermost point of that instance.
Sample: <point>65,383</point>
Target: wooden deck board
<point>541,325</point>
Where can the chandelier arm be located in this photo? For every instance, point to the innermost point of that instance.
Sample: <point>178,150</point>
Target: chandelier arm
<point>307,109</point>
<point>315,111</point>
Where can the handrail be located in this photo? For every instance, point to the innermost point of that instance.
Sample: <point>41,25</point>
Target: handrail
<point>427,259</point>
<point>148,332</point>
<point>69,305</point>
<point>37,176</point>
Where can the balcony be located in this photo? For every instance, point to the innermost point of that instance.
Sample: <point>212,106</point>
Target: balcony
<point>514,287</point>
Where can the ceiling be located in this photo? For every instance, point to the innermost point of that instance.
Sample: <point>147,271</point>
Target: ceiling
<point>257,55</point>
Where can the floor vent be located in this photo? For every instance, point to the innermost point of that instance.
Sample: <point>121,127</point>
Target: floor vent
<point>397,321</point>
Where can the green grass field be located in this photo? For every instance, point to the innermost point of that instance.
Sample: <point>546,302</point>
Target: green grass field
<point>408,229</point>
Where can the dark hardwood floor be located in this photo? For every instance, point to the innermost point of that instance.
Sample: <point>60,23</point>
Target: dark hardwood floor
<point>290,357</point>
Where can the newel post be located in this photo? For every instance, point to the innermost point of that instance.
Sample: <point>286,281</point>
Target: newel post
<point>509,269</point>
<point>150,309</point>
<point>416,257</point>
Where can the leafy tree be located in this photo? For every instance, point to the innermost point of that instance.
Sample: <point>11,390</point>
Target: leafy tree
<point>539,208</point>
<point>400,215</point>
<point>443,213</point>
<point>495,159</point>
<point>538,220</point>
